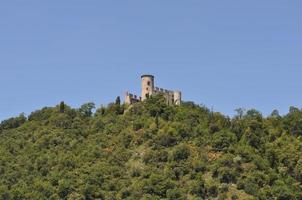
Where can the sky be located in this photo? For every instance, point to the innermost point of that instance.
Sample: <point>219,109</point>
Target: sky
<point>222,54</point>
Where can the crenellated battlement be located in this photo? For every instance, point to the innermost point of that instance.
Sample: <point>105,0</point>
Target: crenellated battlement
<point>148,89</point>
<point>131,98</point>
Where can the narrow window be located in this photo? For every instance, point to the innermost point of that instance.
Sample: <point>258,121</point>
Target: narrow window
<point>149,83</point>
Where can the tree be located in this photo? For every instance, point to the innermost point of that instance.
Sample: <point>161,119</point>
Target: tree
<point>152,151</point>
<point>293,109</point>
<point>298,170</point>
<point>198,188</point>
<point>227,174</point>
<point>166,139</point>
<point>13,122</point>
<point>275,113</point>
<point>62,107</point>
<point>253,114</point>
<point>175,194</point>
<point>223,139</point>
<point>118,101</point>
<point>293,121</point>
<point>157,185</point>
<point>181,152</point>
<point>64,188</point>
<point>240,112</point>
<point>86,109</point>
<point>157,121</point>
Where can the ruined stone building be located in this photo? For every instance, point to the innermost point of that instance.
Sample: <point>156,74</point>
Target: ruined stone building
<point>148,89</point>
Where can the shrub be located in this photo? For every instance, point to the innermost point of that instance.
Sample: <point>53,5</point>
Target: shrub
<point>198,188</point>
<point>181,152</point>
<point>166,140</point>
<point>223,139</point>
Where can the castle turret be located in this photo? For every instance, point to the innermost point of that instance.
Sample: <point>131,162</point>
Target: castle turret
<point>147,86</point>
<point>177,98</point>
<point>128,98</point>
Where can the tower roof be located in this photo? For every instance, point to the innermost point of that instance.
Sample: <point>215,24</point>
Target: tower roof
<point>147,75</point>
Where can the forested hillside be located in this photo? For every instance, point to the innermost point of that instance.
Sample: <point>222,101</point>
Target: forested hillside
<point>150,151</point>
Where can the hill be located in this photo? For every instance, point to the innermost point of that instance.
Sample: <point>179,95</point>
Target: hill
<point>150,151</point>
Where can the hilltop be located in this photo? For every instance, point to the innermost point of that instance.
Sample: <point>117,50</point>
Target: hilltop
<point>150,150</point>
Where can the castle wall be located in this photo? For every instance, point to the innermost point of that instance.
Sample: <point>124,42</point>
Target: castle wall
<point>131,98</point>
<point>168,94</point>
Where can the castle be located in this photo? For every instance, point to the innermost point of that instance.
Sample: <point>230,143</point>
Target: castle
<point>148,89</point>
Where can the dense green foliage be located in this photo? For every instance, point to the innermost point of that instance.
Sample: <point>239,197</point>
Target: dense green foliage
<point>150,151</point>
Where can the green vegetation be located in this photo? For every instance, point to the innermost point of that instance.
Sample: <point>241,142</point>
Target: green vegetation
<point>150,151</point>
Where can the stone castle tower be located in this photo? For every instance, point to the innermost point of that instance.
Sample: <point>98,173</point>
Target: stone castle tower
<point>147,86</point>
<point>148,89</point>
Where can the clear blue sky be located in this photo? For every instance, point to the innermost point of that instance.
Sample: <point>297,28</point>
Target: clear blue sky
<point>225,54</point>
